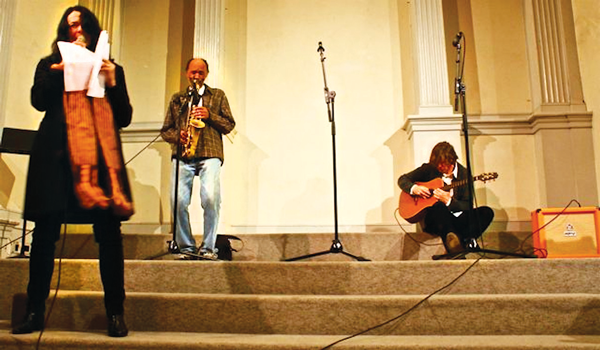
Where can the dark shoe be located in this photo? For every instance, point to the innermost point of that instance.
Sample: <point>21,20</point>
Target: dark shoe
<point>33,322</point>
<point>116,326</point>
<point>452,243</point>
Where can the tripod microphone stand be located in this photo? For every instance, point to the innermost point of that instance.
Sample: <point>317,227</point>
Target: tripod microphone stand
<point>460,99</point>
<point>336,246</point>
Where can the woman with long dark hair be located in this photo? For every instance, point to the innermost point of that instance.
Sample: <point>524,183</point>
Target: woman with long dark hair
<point>60,191</point>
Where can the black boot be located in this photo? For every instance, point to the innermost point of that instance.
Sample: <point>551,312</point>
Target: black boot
<point>116,326</point>
<point>32,322</point>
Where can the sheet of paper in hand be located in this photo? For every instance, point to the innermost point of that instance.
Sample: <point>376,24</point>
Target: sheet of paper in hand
<point>82,66</point>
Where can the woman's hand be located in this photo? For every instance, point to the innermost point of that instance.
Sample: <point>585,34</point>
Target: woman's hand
<point>58,66</point>
<point>108,69</point>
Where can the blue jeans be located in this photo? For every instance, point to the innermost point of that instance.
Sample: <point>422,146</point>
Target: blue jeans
<point>209,171</point>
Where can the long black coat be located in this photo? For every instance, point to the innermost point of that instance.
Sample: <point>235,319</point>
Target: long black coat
<point>50,188</point>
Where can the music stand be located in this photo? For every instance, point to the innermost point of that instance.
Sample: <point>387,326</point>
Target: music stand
<point>460,100</point>
<point>336,246</point>
<point>18,141</point>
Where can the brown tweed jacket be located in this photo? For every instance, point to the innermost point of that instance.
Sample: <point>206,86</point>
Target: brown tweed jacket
<point>220,122</point>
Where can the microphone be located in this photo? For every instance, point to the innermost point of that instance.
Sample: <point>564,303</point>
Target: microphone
<point>194,91</point>
<point>81,39</point>
<point>457,39</point>
<point>320,49</point>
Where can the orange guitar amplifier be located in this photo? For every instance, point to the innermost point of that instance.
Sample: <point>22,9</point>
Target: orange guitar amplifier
<point>566,233</point>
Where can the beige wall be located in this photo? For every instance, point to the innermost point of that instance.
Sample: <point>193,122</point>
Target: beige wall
<point>283,161</point>
<point>500,47</point>
<point>34,30</point>
<point>587,27</point>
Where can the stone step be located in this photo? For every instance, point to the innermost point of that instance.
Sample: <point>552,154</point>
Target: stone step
<point>375,246</point>
<point>329,278</point>
<point>510,276</point>
<point>68,340</point>
<point>440,315</point>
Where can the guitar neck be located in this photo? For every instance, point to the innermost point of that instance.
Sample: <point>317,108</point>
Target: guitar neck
<point>455,184</point>
<point>483,177</point>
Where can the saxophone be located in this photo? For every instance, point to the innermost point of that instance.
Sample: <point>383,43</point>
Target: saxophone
<point>193,125</point>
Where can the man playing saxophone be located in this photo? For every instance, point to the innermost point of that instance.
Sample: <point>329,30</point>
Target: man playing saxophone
<point>195,122</point>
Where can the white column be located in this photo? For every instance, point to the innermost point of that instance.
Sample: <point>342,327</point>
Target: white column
<point>557,64</point>
<point>432,69</point>
<point>104,11</point>
<point>7,13</point>
<point>551,52</point>
<point>435,120</point>
<point>562,126</point>
<point>109,15</point>
<point>208,36</point>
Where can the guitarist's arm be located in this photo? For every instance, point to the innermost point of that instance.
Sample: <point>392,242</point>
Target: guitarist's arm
<point>424,173</point>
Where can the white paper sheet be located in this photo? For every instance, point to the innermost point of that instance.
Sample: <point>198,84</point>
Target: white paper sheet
<point>82,67</point>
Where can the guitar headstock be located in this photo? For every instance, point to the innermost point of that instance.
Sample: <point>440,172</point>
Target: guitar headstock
<point>485,177</point>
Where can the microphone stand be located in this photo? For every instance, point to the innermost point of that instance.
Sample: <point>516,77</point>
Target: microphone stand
<point>336,246</point>
<point>460,100</point>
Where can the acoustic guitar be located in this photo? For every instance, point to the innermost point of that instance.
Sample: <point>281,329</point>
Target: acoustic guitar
<point>411,207</point>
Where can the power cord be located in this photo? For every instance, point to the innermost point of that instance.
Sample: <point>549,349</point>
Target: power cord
<point>411,309</point>
<point>409,235</point>
<point>143,149</point>
<point>16,239</point>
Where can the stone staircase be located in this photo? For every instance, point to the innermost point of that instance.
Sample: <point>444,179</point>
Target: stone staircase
<point>259,302</point>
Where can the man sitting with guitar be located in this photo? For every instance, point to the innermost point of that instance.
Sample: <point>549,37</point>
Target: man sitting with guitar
<point>433,195</point>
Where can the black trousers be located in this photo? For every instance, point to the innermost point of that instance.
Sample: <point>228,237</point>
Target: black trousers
<point>107,233</point>
<point>470,224</point>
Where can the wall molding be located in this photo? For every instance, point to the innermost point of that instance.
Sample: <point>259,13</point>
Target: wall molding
<point>496,124</point>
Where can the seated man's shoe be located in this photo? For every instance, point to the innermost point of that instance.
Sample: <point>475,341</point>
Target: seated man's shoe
<point>452,243</point>
<point>471,243</point>
<point>32,322</point>
<point>116,326</point>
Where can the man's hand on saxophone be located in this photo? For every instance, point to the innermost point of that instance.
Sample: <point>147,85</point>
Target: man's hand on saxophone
<point>183,137</point>
<point>199,112</point>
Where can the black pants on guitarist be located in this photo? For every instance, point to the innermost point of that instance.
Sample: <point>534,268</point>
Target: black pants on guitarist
<point>440,221</point>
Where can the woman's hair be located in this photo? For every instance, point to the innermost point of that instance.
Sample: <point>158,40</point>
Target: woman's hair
<point>89,24</point>
<point>443,153</point>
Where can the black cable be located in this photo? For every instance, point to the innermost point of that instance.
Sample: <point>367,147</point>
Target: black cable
<point>80,248</point>
<point>16,239</point>
<point>463,60</point>
<point>409,235</point>
<point>143,149</point>
<point>412,308</point>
